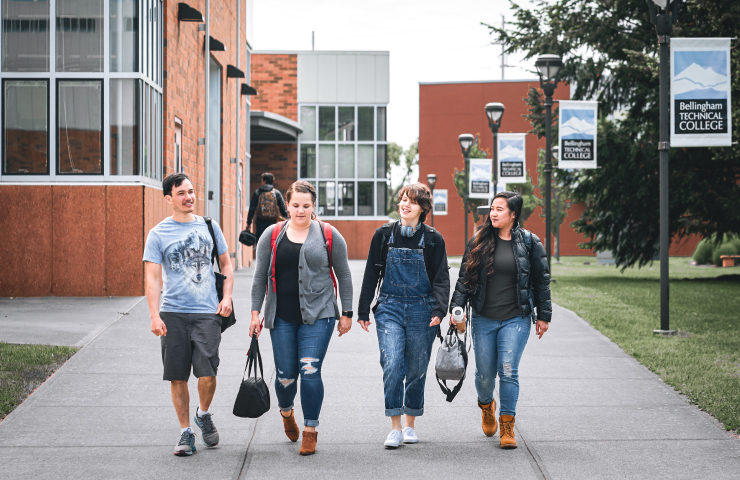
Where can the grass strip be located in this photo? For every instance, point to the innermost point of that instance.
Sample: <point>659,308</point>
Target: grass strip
<point>703,360</point>
<point>24,367</point>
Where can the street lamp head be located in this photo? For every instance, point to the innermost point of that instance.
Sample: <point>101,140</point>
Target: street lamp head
<point>662,3</point>
<point>556,152</point>
<point>431,180</point>
<point>548,67</point>
<point>466,141</point>
<point>494,112</point>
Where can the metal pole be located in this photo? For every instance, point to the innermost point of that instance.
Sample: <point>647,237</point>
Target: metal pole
<point>465,191</point>
<point>432,207</point>
<point>663,147</point>
<point>495,161</point>
<point>237,198</point>
<point>557,225</point>
<point>207,58</point>
<point>548,174</point>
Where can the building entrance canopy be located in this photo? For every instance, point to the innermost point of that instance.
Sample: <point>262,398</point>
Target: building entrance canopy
<point>267,127</point>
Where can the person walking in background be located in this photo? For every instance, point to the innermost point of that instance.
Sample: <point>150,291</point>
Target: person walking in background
<point>503,275</point>
<point>294,265</point>
<point>409,258</point>
<point>267,204</point>
<point>189,320</point>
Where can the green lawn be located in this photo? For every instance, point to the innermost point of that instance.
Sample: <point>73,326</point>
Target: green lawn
<point>25,367</point>
<point>703,360</point>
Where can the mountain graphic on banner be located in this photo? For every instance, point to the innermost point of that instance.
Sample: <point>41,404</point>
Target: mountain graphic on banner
<point>696,82</point>
<point>512,153</point>
<point>479,173</point>
<point>578,129</point>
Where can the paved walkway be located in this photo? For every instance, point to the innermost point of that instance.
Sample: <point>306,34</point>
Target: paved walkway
<point>586,410</point>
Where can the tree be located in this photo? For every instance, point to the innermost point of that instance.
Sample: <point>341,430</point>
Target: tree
<point>610,53</point>
<point>410,160</point>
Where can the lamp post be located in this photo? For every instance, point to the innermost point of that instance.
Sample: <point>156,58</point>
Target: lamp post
<point>664,19</point>
<point>432,181</point>
<point>494,112</point>
<point>556,156</point>
<point>548,67</point>
<point>466,141</point>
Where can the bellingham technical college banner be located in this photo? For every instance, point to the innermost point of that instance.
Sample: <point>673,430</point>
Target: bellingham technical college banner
<point>700,92</point>
<point>512,167</point>
<point>577,134</point>
<point>481,176</point>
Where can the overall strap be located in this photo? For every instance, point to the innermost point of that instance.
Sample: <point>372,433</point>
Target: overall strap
<point>273,247</point>
<point>326,231</point>
<point>214,254</point>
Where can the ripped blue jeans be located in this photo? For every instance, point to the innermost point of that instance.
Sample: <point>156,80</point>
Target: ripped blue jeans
<point>299,349</point>
<point>498,348</point>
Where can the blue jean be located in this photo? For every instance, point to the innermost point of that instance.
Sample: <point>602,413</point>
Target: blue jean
<point>299,349</point>
<point>405,340</point>
<point>498,348</point>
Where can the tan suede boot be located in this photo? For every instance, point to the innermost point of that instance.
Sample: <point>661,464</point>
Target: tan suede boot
<point>488,418</point>
<point>507,431</point>
<point>291,428</point>
<point>308,445</point>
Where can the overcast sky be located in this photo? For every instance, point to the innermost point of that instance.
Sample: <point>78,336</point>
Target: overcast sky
<point>428,41</point>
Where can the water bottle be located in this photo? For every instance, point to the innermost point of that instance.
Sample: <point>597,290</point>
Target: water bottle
<point>458,314</point>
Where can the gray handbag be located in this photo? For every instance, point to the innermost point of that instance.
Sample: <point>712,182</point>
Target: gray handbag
<point>452,362</point>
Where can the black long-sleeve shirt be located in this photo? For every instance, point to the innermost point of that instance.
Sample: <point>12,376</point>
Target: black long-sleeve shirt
<point>256,198</point>
<point>435,260</point>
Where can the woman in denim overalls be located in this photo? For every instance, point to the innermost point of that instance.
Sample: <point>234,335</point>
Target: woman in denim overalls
<point>411,303</point>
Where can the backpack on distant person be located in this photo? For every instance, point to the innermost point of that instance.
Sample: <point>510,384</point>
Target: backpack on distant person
<point>267,206</point>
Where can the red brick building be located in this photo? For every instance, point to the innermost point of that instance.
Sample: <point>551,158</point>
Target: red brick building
<point>447,110</point>
<point>101,100</point>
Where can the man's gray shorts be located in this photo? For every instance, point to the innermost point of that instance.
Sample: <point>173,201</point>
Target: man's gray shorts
<point>192,339</point>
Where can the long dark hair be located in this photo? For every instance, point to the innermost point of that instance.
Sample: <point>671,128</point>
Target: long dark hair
<point>483,244</point>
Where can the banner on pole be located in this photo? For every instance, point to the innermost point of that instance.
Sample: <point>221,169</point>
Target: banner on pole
<point>700,92</point>
<point>512,167</point>
<point>440,202</point>
<point>577,134</point>
<point>481,176</point>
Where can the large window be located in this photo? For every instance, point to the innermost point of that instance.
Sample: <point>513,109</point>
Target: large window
<point>343,151</point>
<point>75,114</point>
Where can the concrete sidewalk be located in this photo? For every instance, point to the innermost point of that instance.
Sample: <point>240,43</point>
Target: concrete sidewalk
<point>586,410</point>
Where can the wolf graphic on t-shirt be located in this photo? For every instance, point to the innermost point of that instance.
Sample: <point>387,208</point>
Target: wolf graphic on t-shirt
<point>192,258</point>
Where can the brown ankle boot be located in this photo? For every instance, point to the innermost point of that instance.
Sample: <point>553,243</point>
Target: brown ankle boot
<point>488,416</point>
<point>291,428</point>
<point>507,431</point>
<point>308,445</point>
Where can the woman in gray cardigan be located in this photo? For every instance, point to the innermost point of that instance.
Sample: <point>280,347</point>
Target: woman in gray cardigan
<point>301,307</point>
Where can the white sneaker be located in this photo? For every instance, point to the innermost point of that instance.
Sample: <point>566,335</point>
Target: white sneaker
<point>409,436</point>
<point>393,439</point>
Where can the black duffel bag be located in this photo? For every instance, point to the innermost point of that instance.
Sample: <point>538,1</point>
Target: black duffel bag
<point>253,399</point>
<point>247,238</point>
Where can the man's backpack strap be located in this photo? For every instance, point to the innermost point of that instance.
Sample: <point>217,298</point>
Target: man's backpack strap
<point>214,251</point>
<point>273,247</point>
<point>328,234</point>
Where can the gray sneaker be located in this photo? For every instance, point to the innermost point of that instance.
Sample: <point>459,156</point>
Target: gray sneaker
<point>205,423</point>
<point>186,445</point>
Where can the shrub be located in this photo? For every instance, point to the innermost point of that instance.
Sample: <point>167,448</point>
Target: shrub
<point>703,253</point>
<point>724,249</point>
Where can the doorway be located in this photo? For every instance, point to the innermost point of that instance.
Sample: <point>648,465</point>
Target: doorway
<point>214,142</point>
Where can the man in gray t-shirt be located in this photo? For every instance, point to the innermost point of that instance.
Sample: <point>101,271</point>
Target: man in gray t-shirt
<point>178,254</point>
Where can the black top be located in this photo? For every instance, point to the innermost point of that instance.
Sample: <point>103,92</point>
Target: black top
<point>501,302</point>
<point>435,260</point>
<point>286,279</point>
<point>256,198</point>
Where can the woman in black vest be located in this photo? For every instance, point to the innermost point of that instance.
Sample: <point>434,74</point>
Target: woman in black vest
<point>503,275</point>
<point>410,260</point>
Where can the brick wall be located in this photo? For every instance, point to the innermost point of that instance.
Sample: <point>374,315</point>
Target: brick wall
<point>279,159</point>
<point>185,65</point>
<point>275,77</point>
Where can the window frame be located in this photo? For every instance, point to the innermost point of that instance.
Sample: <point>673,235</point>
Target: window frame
<point>102,127</point>
<point>2,127</point>
<point>356,180</point>
<point>153,79</point>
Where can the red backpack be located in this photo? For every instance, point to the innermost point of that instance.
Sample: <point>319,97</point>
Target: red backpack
<point>328,241</point>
